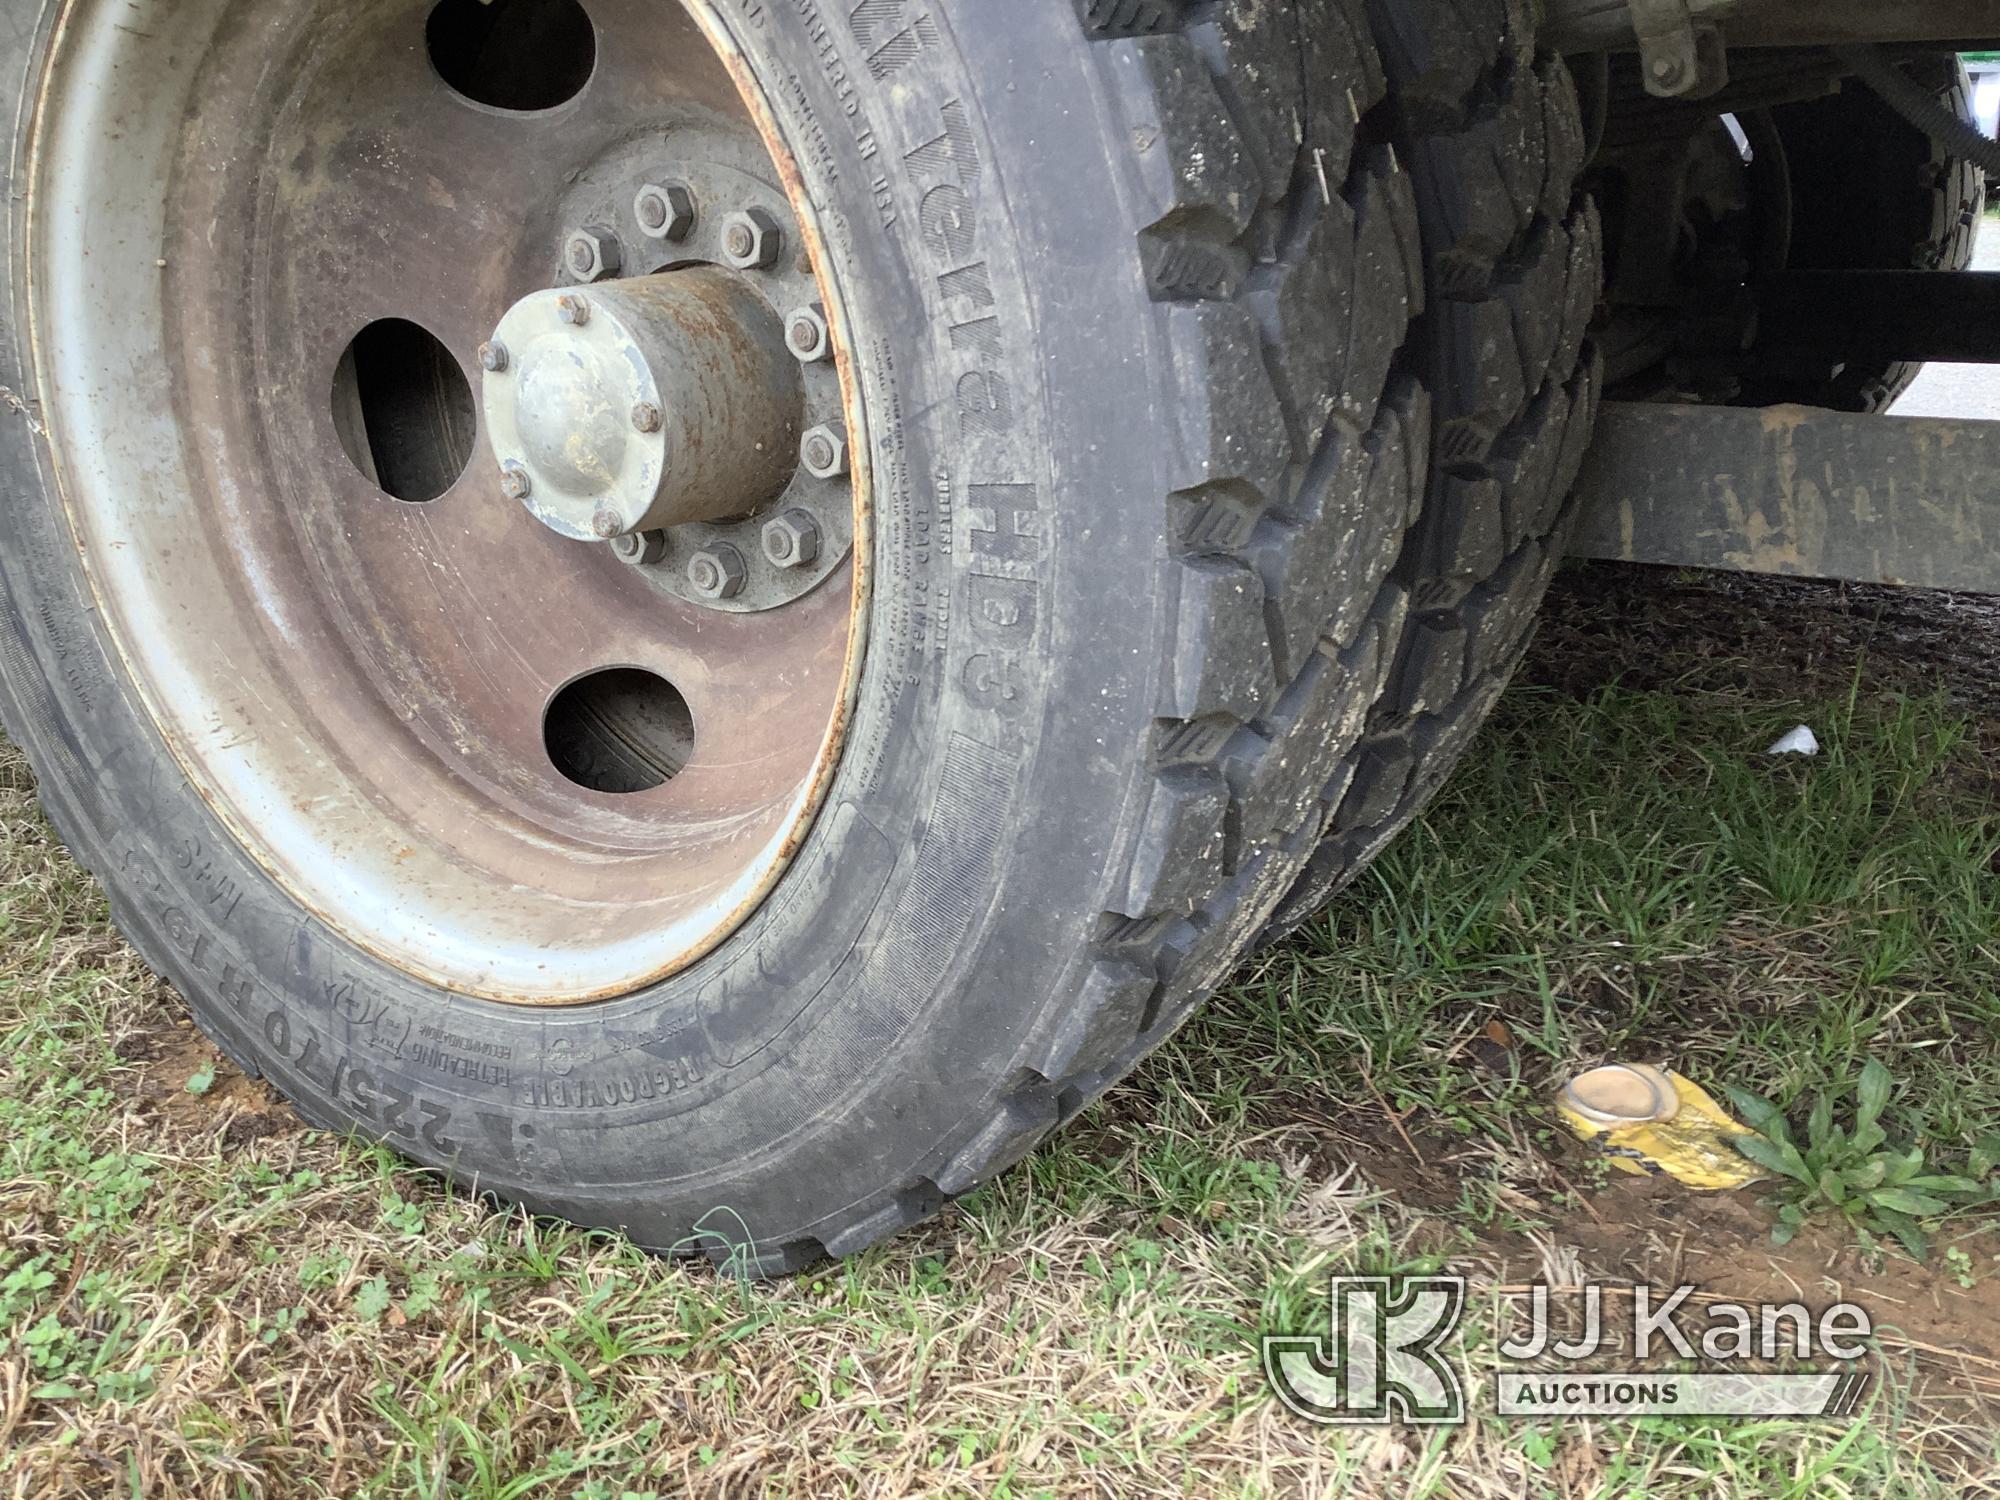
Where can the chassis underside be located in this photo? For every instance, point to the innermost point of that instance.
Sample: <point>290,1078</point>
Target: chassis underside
<point>1693,471</point>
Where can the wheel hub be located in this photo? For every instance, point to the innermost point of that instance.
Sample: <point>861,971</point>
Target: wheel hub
<point>644,404</point>
<point>754,507</point>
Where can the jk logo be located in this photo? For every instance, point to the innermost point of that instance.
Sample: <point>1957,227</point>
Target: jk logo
<point>1382,1363</point>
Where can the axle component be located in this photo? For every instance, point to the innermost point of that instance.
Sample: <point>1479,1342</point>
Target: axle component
<point>1615,25</point>
<point>1951,316</point>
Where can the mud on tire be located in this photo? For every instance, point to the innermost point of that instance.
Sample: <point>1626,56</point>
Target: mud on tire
<point>1493,137</point>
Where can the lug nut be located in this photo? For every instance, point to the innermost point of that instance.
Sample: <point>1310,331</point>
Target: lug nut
<point>665,211</point>
<point>642,549</point>
<point>646,417</point>
<point>593,253</point>
<point>492,358</point>
<point>807,335</point>
<point>514,481</point>
<point>824,451</point>
<point>573,310</point>
<point>792,540</point>
<point>752,240</point>
<point>717,572</point>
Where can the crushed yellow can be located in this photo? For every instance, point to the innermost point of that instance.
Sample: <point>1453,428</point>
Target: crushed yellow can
<point>1651,1122</point>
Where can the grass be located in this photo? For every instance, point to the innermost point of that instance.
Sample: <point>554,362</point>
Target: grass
<point>198,1297</point>
<point>1765,921</point>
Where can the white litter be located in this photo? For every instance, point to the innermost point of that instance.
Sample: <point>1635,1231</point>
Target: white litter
<point>1801,741</point>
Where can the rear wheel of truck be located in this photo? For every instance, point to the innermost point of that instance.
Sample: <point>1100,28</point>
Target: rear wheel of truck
<point>1706,210</point>
<point>705,618</point>
<point>1920,211</point>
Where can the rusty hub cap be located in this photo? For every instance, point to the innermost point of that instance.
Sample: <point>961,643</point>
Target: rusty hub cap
<point>646,405</point>
<point>447,502</point>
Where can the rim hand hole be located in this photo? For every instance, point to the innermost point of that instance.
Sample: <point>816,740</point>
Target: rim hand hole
<point>404,410</point>
<point>520,55</point>
<point>619,731</point>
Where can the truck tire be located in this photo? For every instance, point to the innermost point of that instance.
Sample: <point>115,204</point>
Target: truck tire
<point>1920,212</point>
<point>755,921</point>
<point>1513,266</point>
